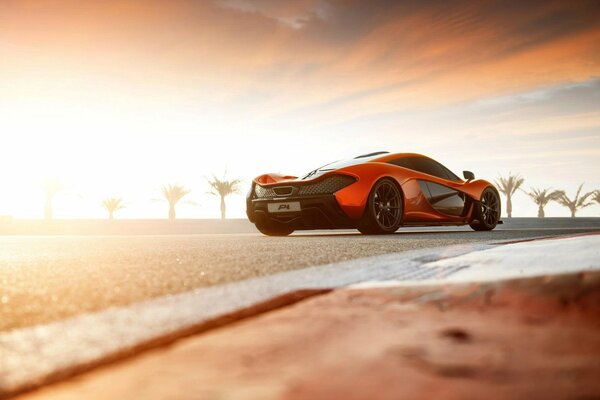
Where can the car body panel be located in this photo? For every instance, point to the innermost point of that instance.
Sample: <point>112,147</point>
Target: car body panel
<point>428,199</point>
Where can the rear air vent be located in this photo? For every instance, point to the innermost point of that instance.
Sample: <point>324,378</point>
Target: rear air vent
<point>283,190</point>
<point>328,185</point>
<point>264,192</point>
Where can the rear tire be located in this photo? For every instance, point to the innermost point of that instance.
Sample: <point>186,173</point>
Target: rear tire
<point>487,212</point>
<point>384,209</point>
<point>274,230</point>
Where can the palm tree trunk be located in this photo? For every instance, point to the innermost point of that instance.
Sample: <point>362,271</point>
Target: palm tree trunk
<point>508,206</point>
<point>223,207</point>
<point>541,212</point>
<point>573,211</point>
<point>110,215</point>
<point>171,211</point>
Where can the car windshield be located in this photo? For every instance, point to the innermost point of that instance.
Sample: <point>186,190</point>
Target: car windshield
<point>337,165</point>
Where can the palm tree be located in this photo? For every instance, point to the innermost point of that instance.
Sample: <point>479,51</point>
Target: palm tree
<point>223,188</point>
<point>596,196</point>
<point>578,202</point>
<point>543,197</point>
<point>509,186</point>
<point>113,204</point>
<point>51,188</point>
<point>174,193</point>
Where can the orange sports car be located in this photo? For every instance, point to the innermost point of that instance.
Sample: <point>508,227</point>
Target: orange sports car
<point>375,193</point>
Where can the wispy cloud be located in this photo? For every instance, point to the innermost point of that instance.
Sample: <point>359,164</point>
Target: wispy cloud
<point>389,54</point>
<point>294,14</point>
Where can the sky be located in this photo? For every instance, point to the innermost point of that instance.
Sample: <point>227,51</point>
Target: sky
<point>118,98</point>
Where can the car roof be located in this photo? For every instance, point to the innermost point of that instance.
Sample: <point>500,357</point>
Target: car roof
<point>392,156</point>
<point>362,159</point>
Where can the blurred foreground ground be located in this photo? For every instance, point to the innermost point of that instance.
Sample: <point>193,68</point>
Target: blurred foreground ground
<point>522,338</point>
<point>473,330</point>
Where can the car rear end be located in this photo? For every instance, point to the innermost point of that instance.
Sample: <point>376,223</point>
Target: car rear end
<point>300,203</point>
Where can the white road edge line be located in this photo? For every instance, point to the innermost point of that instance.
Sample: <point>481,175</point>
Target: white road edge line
<point>517,260</point>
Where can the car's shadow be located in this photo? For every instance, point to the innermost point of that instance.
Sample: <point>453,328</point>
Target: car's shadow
<point>398,233</point>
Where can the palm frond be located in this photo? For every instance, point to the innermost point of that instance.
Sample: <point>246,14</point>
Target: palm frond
<point>113,204</point>
<point>576,203</point>
<point>51,187</point>
<point>564,200</point>
<point>174,193</point>
<point>585,200</point>
<point>223,187</point>
<point>543,196</point>
<point>510,184</point>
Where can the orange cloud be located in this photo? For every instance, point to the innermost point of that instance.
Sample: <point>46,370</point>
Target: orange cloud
<point>348,55</point>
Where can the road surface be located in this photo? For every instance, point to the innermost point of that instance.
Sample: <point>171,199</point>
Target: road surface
<point>43,279</point>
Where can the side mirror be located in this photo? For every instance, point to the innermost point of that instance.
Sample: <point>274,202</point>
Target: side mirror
<point>468,175</point>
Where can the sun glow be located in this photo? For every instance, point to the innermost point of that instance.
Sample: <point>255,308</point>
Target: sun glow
<point>121,98</point>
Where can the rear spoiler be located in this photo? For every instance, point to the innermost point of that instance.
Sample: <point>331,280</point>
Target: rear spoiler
<point>273,178</point>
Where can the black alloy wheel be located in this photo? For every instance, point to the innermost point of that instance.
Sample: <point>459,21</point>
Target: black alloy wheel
<point>384,209</point>
<point>487,211</point>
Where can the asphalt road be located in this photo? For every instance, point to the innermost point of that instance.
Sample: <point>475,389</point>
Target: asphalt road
<point>43,279</point>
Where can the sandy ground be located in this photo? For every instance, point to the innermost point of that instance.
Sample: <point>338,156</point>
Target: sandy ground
<point>43,279</point>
